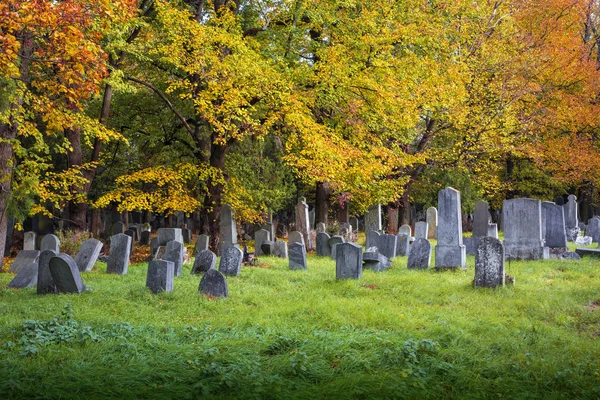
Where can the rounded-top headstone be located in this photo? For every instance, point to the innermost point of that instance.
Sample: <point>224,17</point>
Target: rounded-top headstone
<point>419,256</point>
<point>204,261</point>
<point>214,284</point>
<point>231,261</point>
<point>50,242</point>
<point>65,274</point>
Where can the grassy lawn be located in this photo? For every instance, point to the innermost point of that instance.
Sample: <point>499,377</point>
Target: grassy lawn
<point>302,334</point>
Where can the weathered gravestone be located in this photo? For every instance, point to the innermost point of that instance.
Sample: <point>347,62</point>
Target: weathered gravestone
<point>153,247</point>
<point>348,261</point>
<point>201,243</point>
<point>373,219</point>
<point>593,229</point>
<point>405,230</point>
<point>88,254</point>
<point>267,248</point>
<point>321,227</point>
<point>296,237</point>
<point>333,242</point>
<point>50,242</point>
<point>372,239</point>
<point>145,238</point>
<point>45,282</point>
<point>493,230</point>
<point>213,283</point>
<point>174,253</point>
<point>29,240</point>
<point>420,254</point>
<point>26,277</point>
<point>65,274</point>
<point>297,256</point>
<point>160,276</point>
<point>553,225</point>
<point>187,235</point>
<point>260,236</point>
<point>489,263</point>
<point>481,219</point>
<point>450,252</point>
<point>402,245</point>
<point>118,227</point>
<point>311,218</point>
<point>25,257</point>
<point>522,219</point>
<point>323,248</point>
<point>388,245</point>
<point>571,219</point>
<point>431,222</point>
<point>231,261</point>
<point>166,235</point>
<point>421,230</point>
<point>302,222</point>
<point>118,258</point>
<point>204,261</point>
<point>375,261</point>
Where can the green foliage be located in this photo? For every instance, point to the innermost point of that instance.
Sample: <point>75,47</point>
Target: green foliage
<point>70,241</point>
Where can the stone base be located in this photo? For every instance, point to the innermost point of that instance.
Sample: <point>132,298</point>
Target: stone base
<point>450,257</point>
<point>518,251</point>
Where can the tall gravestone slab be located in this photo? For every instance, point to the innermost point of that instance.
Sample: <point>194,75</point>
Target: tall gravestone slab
<point>25,257</point>
<point>228,229</point>
<point>187,235</point>
<point>174,253</point>
<point>489,263</point>
<point>302,222</point>
<point>348,261</point>
<point>593,229</point>
<point>388,245</point>
<point>333,242</point>
<point>231,261</point>
<point>296,237</point>
<point>118,227</point>
<point>65,274</point>
<point>372,239</point>
<point>323,248</point>
<point>354,224</point>
<point>201,243</point>
<point>553,225</point>
<point>421,230</point>
<point>522,219</point>
<point>29,240</point>
<point>153,247</point>
<point>450,251</point>
<point>88,254</point>
<point>204,261</point>
<point>214,284</point>
<point>50,242</point>
<point>405,230</point>
<point>45,282</point>
<point>311,218</point>
<point>571,218</point>
<point>118,258</point>
<point>260,236</point>
<point>420,254</point>
<point>145,238</point>
<point>160,276</point>
<point>373,219</point>
<point>280,249</point>
<point>402,245</point>
<point>297,256</point>
<point>269,227</point>
<point>166,235</point>
<point>481,219</point>
<point>431,222</point>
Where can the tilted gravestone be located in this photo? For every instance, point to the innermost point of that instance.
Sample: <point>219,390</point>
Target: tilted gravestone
<point>118,258</point>
<point>260,236</point>
<point>432,222</point>
<point>489,263</point>
<point>420,254</point>
<point>214,284</point>
<point>553,225</point>
<point>402,245</point>
<point>166,235</point>
<point>333,242</point>
<point>280,249</point>
<point>25,257</point>
<point>50,242</point>
<point>522,219</point>
<point>145,238</point>
<point>297,256</point>
<point>373,218</point>
<point>160,276</point>
<point>388,245</point>
<point>45,282</point>
<point>174,253</point>
<point>204,261</point>
<point>296,237</point>
<point>481,219</point>
<point>65,274</point>
<point>29,240</point>
<point>231,261</point>
<point>348,261</point>
<point>88,254</point>
<point>372,239</point>
<point>323,248</point>
<point>26,277</point>
<point>201,243</point>
<point>302,222</point>
<point>450,252</point>
<point>421,230</point>
<point>593,229</point>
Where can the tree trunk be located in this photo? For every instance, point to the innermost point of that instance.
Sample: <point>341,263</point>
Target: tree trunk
<point>322,203</point>
<point>215,192</point>
<point>7,132</point>
<point>405,206</point>
<point>392,218</point>
<point>77,210</point>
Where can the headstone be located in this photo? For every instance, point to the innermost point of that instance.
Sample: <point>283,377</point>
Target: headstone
<point>295,237</point>
<point>88,254</point>
<point>348,261</point>
<point>45,282</point>
<point>302,222</point>
<point>388,245</point>
<point>321,227</point>
<point>160,276</point>
<point>187,235</point>
<point>402,245</point>
<point>268,226</point>
<point>481,219</point>
<point>26,277</point>
<point>174,253</point>
<point>420,254</point>
<point>375,261</point>
<point>553,225</point>
<point>489,263</point>
<point>593,229</point>
<point>65,274</point>
<point>571,218</point>
<point>145,238</point>
<point>201,243</point>
<point>570,255</point>
<point>471,244</point>
<point>373,219</point>
<point>323,248</point>
<point>280,249</point>
<point>583,240</point>
<point>311,218</point>
<point>260,236</point>
<point>153,247</point>
<point>450,251</point>
<point>133,233</point>
<point>354,224</point>
<point>29,240</point>
<point>118,227</point>
<point>25,257</point>
<point>166,235</point>
<point>493,230</point>
<point>213,283</point>
<point>372,239</point>
<point>118,258</point>
<point>405,230</point>
<point>204,261</point>
<point>522,219</point>
<point>421,230</point>
<point>431,222</point>
<point>297,256</point>
<point>231,261</point>
<point>50,242</point>
<point>333,242</point>
<point>267,248</point>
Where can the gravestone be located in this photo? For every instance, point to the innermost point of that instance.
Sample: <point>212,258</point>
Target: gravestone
<point>231,261</point>
<point>522,219</point>
<point>145,238</point>
<point>323,248</point>
<point>118,258</point>
<point>471,245</point>
<point>153,247</point>
<point>295,237</point>
<point>571,219</point>
<point>267,248</point>
<point>174,253</point>
<point>450,252</point>
<point>45,282</point>
<point>269,227</point>
<point>311,218</point>
<point>583,240</point>
<point>25,257</point>
<point>297,256</point>
<point>213,283</point>
<point>481,219</point>
<point>50,242</point>
<point>26,277</point>
<point>493,230</point>
<point>204,261</point>
<point>375,261</point>
<point>29,240</point>
<point>166,235</point>
<point>372,239</point>
<point>160,276</point>
<point>201,243</point>
<point>402,245</point>
<point>405,230</point>
<point>489,263</point>
<point>118,227</point>
<point>553,225</point>
<point>348,261</point>
<point>354,224</point>
<point>334,241</point>
<point>569,255</point>
<point>65,274</point>
<point>421,230</point>
<point>321,227</point>
<point>260,236</point>
<point>187,235</point>
<point>431,222</point>
<point>280,249</point>
<point>373,219</point>
<point>88,254</point>
<point>302,222</point>
<point>133,233</point>
<point>388,245</point>
<point>420,254</point>
<point>593,229</point>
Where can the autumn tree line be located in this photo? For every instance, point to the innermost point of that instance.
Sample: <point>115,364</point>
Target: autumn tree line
<point>169,106</point>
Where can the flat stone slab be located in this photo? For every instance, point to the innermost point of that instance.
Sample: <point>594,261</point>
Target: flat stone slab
<point>204,261</point>
<point>588,252</point>
<point>375,261</point>
<point>214,284</point>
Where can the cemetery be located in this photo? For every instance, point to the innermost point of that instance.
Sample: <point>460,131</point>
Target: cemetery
<point>237,199</point>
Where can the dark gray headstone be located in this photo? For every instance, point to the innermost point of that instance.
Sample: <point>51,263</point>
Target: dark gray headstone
<point>50,242</point>
<point>373,219</point>
<point>553,225</point>
<point>489,263</point>
<point>593,229</point>
<point>160,276</point>
<point>88,254</point>
<point>354,223</point>
<point>420,254</point>
<point>231,261</point>
<point>228,229</point>
<point>471,245</point>
<point>25,257</point>
<point>204,261</point>
<point>187,235</point>
<point>402,245</point>
<point>323,248</point>
<point>267,248</point>
<point>571,219</point>
<point>372,239</point>
<point>570,255</point>
<point>450,251</point>
<point>201,243</point>
<point>153,247</point>
<point>303,222</point>
<point>174,253</point>
<point>133,234</point>
<point>297,256</point>
<point>375,261</point>
<point>522,220</point>
<point>481,219</point>
<point>65,274</point>
<point>145,238</point>
<point>388,245</point>
<point>45,282</point>
<point>348,262</point>
<point>213,283</point>
<point>118,227</point>
<point>280,249</point>
<point>118,258</point>
<point>334,241</point>
<point>260,236</point>
<point>166,235</point>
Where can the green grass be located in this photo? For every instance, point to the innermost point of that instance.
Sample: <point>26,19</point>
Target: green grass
<point>302,334</point>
